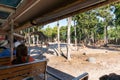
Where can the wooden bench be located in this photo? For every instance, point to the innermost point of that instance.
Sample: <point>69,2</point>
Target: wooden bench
<point>4,61</point>
<point>83,76</point>
<point>35,69</point>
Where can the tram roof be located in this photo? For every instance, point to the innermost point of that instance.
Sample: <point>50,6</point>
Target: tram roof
<point>26,13</point>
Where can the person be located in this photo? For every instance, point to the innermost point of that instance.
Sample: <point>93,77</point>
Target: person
<point>4,49</point>
<point>111,76</point>
<point>22,55</point>
<point>16,43</point>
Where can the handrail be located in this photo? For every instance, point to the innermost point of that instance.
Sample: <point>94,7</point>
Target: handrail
<point>83,76</point>
<point>53,75</point>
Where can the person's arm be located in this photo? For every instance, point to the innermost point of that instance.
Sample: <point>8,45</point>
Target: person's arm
<point>31,59</point>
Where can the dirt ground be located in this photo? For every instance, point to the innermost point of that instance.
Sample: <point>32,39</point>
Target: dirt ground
<point>106,61</point>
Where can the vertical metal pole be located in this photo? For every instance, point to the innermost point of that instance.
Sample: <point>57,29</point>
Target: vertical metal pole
<point>58,38</point>
<point>11,38</point>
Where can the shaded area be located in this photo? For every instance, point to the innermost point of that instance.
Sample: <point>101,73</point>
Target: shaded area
<point>52,49</point>
<point>110,47</point>
<point>37,52</point>
<point>49,77</point>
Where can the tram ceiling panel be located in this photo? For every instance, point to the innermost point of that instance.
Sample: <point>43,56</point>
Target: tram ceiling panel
<point>7,7</point>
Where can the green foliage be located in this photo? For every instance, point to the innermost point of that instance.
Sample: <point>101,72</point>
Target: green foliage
<point>114,32</point>
<point>54,32</point>
<point>72,33</point>
<point>91,24</point>
<point>117,13</point>
<point>86,23</point>
<point>48,31</point>
<point>63,33</point>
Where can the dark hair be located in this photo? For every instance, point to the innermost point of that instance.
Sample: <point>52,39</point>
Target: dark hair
<point>111,76</point>
<point>21,50</point>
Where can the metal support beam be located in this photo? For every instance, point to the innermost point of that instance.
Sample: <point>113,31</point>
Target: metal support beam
<point>11,38</point>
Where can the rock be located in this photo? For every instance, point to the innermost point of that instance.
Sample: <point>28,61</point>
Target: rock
<point>91,60</point>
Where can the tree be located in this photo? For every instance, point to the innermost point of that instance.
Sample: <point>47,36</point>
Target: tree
<point>117,13</point>
<point>105,14</point>
<point>63,33</point>
<point>58,39</point>
<point>85,23</point>
<point>68,38</point>
<point>54,32</point>
<point>117,20</point>
<point>48,31</point>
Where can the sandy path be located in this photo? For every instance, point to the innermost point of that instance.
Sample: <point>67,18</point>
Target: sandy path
<point>107,61</point>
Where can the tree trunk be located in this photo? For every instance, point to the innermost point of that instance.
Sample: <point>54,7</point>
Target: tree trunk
<point>68,38</point>
<point>11,39</point>
<point>75,35</point>
<point>116,39</point>
<point>37,39</point>
<point>58,38</point>
<point>33,37</point>
<point>29,37</point>
<point>105,36</point>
